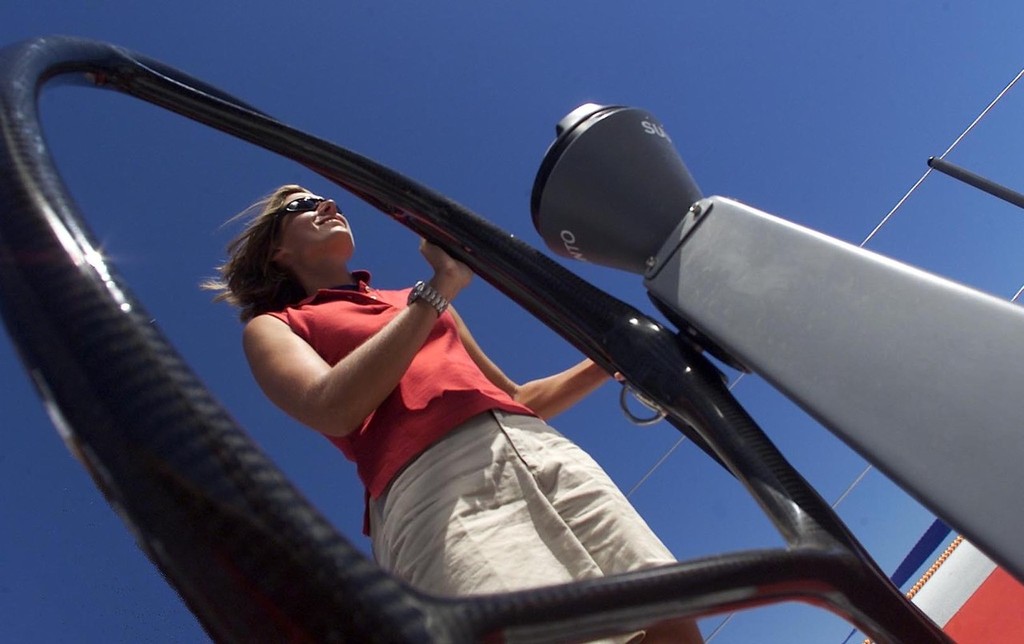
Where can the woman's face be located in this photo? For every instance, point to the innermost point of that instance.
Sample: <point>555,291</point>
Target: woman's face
<point>311,227</point>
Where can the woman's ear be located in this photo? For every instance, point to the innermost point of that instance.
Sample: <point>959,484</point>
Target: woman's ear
<point>279,256</point>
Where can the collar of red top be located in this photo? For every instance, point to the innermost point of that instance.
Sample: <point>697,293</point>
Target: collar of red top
<point>362,285</point>
<point>362,282</point>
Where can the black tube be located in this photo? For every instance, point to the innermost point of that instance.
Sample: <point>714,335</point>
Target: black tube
<point>978,181</point>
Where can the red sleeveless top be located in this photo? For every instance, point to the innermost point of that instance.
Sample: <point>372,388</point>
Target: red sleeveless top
<point>441,389</point>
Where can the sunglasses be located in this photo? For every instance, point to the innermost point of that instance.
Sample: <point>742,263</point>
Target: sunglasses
<point>303,204</point>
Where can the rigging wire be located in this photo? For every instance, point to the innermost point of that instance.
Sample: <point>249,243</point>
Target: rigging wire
<point>860,477</point>
<point>943,155</point>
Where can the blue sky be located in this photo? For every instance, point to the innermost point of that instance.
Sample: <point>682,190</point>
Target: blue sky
<point>821,113</point>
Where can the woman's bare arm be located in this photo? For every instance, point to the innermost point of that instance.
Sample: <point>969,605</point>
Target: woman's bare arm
<point>335,400</point>
<point>548,396</point>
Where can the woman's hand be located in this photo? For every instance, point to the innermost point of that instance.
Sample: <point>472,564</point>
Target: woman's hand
<point>450,275</point>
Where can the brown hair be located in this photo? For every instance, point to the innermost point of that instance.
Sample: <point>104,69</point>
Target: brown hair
<point>250,279</point>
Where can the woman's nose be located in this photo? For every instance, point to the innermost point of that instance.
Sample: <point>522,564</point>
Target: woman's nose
<point>327,207</point>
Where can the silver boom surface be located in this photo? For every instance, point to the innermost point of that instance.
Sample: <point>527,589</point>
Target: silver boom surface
<point>920,375</point>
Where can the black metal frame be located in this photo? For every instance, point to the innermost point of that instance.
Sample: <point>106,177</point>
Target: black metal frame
<point>250,557</point>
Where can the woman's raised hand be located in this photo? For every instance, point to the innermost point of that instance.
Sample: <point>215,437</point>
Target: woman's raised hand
<point>450,275</point>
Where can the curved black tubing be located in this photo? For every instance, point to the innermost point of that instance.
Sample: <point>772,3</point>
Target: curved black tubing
<point>250,557</point>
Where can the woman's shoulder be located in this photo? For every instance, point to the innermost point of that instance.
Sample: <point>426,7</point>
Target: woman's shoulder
<point>269,321</point>
<point>263,333</point>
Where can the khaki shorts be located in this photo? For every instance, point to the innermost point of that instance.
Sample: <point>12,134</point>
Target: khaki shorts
<point>504,502</point>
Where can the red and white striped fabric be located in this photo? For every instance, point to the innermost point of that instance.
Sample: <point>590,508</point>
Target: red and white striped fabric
<point>971,598</point>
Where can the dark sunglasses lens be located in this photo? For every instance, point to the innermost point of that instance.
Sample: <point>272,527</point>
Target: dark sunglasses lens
<point>304,204</point>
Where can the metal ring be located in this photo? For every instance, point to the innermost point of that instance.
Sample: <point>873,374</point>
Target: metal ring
<point>659,414</point>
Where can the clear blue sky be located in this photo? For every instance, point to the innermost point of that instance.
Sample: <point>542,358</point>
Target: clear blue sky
<point>822,113</point>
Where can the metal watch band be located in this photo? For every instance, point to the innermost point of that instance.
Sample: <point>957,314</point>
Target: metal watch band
<point>423,291</point>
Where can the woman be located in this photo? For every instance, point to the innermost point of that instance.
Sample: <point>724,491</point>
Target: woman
<point>467,490</point>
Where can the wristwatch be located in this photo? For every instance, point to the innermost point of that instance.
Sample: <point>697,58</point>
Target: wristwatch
<point>427,293</point>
